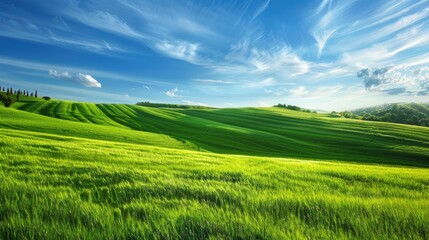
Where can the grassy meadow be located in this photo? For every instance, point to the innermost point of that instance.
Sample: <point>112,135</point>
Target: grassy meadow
<point>112,171</point>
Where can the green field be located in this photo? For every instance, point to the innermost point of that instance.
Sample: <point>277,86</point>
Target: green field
<point>114,171</point>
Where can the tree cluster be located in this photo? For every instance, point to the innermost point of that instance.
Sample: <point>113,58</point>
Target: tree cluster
<point>8,96</point>
<point>345,114</point>
<point>294,108</point>
<point>413,113</point>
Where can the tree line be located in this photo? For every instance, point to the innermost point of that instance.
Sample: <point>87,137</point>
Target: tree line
<point>294,108</point>
<point>9,96</point>
<point>412,113</point>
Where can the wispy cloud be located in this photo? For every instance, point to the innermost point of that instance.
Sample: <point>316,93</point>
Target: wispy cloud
<point>299,91</point>
<point>213,81</point>
<point>261,9</point>
<point>281,59</point>
<point>20,24</point>
<point>328,16</point>
<point>179,50</point>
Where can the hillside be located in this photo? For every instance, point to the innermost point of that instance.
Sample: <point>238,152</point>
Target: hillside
<point>103,171</point>
<point>407,113</point>
<point>272,132</point>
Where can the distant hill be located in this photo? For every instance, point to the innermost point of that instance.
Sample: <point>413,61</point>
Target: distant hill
<point>167,105</point>
<point>407,113</point>
<point>265,132</point>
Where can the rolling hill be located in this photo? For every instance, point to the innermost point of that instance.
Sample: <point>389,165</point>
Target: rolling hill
<point>102,171</point>
<point>272,132</point>
<point>407,113</point>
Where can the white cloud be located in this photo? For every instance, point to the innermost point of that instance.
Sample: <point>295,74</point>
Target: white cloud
<point>62,75</point>
<point>88,80</point>
<point>83,79</point>
<point>173,92</point>
<point>395,80</point>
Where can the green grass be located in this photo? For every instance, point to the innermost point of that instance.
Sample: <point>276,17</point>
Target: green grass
<point>132,172</point>
<point>271,132</point>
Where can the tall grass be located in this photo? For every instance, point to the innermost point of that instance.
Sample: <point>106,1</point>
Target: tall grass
<point>61,187</point>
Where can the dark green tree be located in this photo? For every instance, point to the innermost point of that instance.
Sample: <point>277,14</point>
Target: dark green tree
<point>6,100</point>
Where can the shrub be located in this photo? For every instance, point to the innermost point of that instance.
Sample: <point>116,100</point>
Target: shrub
<point>46,98</point>
<point>7,100</point>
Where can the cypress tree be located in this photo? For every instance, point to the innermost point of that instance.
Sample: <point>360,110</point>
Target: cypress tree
<point>35,95</point>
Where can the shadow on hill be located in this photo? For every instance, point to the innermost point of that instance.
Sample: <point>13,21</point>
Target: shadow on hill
<point>266,132</point>
<point>260,132</point>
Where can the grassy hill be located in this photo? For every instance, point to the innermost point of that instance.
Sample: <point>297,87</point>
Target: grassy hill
<point>273,132</point>
<point>407,113</point>
<point>115,171</point>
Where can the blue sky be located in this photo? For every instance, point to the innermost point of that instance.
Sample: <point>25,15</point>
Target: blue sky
<point>319,54</point>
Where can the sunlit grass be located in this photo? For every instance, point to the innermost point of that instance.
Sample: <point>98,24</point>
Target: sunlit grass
<point>56,187</point>
<point>83,179</point>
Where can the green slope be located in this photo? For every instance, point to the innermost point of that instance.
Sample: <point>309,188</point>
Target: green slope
<point>258,131</point>
<point>19,120</point>
<point>112,171</point>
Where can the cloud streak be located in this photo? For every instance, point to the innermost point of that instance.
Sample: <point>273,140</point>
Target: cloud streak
<point>179,50</point>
